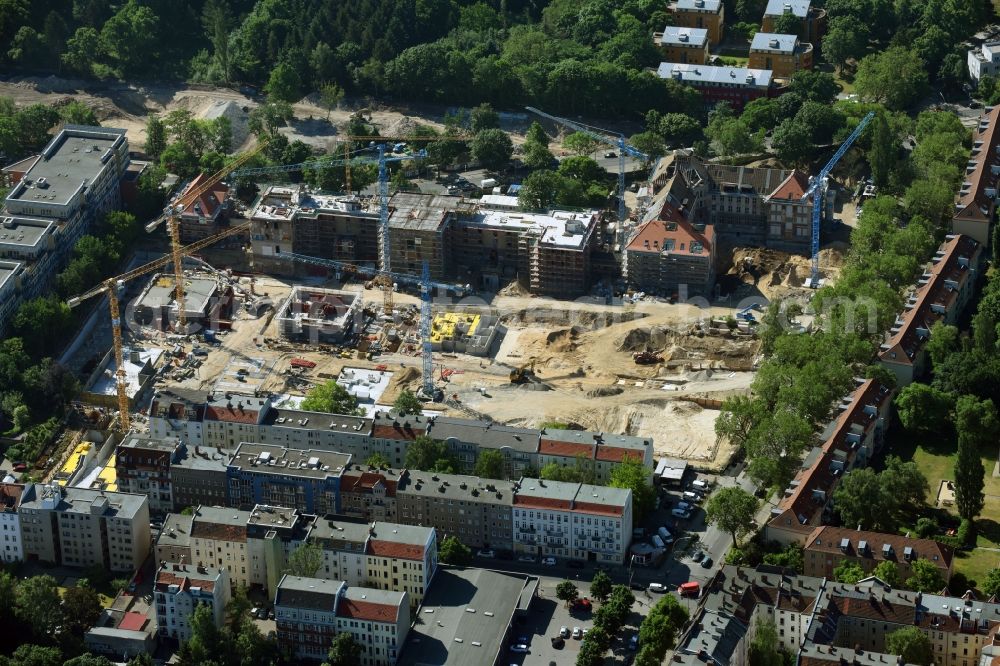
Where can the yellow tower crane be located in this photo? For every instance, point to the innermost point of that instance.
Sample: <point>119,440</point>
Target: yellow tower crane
<point>111,287</point>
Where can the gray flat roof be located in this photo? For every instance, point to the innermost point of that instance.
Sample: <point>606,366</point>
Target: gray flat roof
<point>421,212</point>
<point>205,458</point>
<point>450,486</point>
<point>486,435</point>
<point>24,231</point>
<point>778,7</point>
<point>270,459</point>
<point>7,271</point>
<point>568,491</point>
<point>309,593</point>
<point>197,292</point>
<point>411,534</point>
<point>70,161</point>
<point>138,442</point>
<point>80,500</point>
<point>317,420</point>
<point>220,515</point>
<point>711,75</point>
<point>693,5</point>
<point>338,530</point>
<point>675,36</point>
<point>176,531</point>
<point>444,618</point>
<point>772,41</point>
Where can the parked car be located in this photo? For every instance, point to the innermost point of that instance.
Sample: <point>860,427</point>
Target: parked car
<point>698,555</point>
<point>20,466</point>
<point>262,614</point>
<point>657,587</point>
<point>691,496</point>
<point>707,563</point>
<point>637,586</point>
<point>525,558</point>
<point>633,642</point>
<point>701,484</point>
<point>549,561</point>
<point>520,648</point>
<point>684,506</point>
<point>485,553</point>
<point>577,632</point>
<point>564,632</point>
<point>270,614</point>
<point>610,155</point>
<point>680,513</point>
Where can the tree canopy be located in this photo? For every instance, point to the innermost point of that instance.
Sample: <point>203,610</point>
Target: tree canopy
<point>330,398</point>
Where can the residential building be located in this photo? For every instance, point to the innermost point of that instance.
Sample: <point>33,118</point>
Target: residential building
<point>671,256</point>
<point>53,202</point>
<point>975,205</point>
<point>198,476</point>
<point>142,467</point>
<point>782,54</point>
<point>201,219</point>
<point>683,45</point>
<point>308,480</point>
<point>369,494</point>
<point>984,60</point>
<point>849,442</point>
<point>419,227</point>
<point>812,20</point>
<point>467,439</point>
<point>207,301</point>
<point>828,547</point>
<point>179,589</point>
<point>572,520</point>
<point>789,219</point>
<point>82,527</point>
<point>735,85</point>
<point>173,544</point>
<point>310,612</point>
<point>475,511</point>
<point>344,544</point>
<point>456,636</point>
<point>11,548</point>
<point>121,634</point>
<point>940,295</point>
<point>707,14</point>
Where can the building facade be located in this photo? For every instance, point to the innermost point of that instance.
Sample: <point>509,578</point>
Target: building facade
<point>782,54</point>
<point>812,20</point>
<point>734,85</point>
<point>179,589</point>
<point>975,205</point>
<point>672,257</point>
<point>308,480</point>
<point>142,467</point>
<point>707,14</point>
<point>827,547</point>
<point>11,548</point>
<point>983,60</point>
<point>683,45</point>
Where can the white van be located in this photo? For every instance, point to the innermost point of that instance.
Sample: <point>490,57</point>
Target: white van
<point>690,496</point>
<point>657,541</point>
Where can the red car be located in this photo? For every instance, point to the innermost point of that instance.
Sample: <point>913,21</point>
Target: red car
<point>20,467</point>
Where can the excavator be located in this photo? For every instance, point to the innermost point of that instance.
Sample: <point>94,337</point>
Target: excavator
<point>523,373</point>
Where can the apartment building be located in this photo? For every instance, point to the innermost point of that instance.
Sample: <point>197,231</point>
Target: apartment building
<point>782,54</point>
<point>310,612</point>
<point>179,589</point>
<point>827,547</point>
<point>202,218</point>
<point>849,442</point>
<point>142,467</point>
<point>975,205</point>
<point>467,439</point>
<point>984,60</point>
<point>369,494</point>
<point>198,476</point>
<point>74,181</point>
<point>940,295</point>
<point>308,480</point>
<point>475,511</point>
<point>572,520</point>
<point>825,622</point>
<point>173,545</point>
<point>11,548</point>
<point>419,226</point>
<point>812,20</point>
<point>81,527</point>
<point>789,218</point>
<point>707,14</point>
<point>671,256</point>
<point>597,452</point>
<point>682,44</point>
<point>735,85</point>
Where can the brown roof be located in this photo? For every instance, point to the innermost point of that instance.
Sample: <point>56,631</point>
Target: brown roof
<point>566,449</point>
<point>876,608</point>
<point>792,188</point>
<point>355,481</point>
<point>218,531</point>
<point>230,414</point>
<point>542,503</point>
<point>10,496</point>
<point>367,610</point>
<point>827,540</point>
<point>972,198</point>
<point>209,203</point>
<point>396,432</point>
<point>394,549</point>
<point>604,509</point>
<point>617,454</point>
<point>673,226</point>
<point>166,578</point>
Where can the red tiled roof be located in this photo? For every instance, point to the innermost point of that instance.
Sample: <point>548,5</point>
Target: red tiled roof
<point>356,609</point>
<point>542,503</point>
<point>603,509</point>
<point>133,621</point>
<point>874,608</point>
<point>616,454</point>
<point>792,188</point>
<point>567,449</point>
<point>400,551</point>
<point>972,199</point>
<point>652,235</point>
<point>10,496</point>
<point>230,415</point>
<point>165,578</point>
<point>208,204</point>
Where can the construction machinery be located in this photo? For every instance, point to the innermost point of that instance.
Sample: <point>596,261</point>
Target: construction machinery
<point>817,190</point>
<point>523,373</point>
<point>112,287</point>
<point>646,358</point>
<point>607,137</point>
<point>172,214</point>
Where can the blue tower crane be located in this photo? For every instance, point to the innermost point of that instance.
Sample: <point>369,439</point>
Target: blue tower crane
<point>817,190</point>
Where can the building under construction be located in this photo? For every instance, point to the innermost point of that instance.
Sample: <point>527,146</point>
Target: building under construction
<point>418,231</point>
<point>206,302</point>
<point>462,333</point>
<point>318,315</point>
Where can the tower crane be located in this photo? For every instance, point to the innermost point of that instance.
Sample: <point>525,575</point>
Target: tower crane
<point>113,285</point>
<point>409,137</point>
<point>385,249</point>
<point>615,139</point>
<point>817,190</point>
<point>172,214</point>
<point>426,285</point>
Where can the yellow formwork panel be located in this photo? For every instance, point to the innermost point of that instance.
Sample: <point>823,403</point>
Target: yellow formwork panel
<point>444,324</point>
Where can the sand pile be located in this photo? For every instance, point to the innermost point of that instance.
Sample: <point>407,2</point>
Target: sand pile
<point>643,339</point>
<point>238,118</point>
<point>404,126</point>
<point>561,341</point>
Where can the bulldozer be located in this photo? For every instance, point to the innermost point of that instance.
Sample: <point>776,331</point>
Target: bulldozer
<point>524,373</point>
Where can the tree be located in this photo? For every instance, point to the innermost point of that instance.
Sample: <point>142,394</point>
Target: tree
<point>37,604</point>
<point>944,340</point>
<point>490,464</point>
<point>765,649</point>
<point>658,632</point>
<point>815,86</point>
<point>537,155</point>
<point>536,134</point>
<point>34,655</point>
<point>407,403</point>
<point>600,586</point>
<point>492,148</point>
<point>633,475</point>
<point>539,190</point>
<point>378,461</point>
<point>924,409</point>
<point>991,586</point>
<point>88,660</point>
<point>731,510</point>
<point>284,84</point>
<point>330,96</point>
<point>887,572</point>
<point>792,141</point>
<point>676,129</point>
<point>912,645</point>
<point>895,77</point>
<point>453,551</point>
<point>330,398</point>
<point>580,143</point>
<point>926,577</point>
<point>484,117</point>
<point>78,113</point>
<point>81,51</point>
<point>846,39</point>
<point>566,592</point>
<point>650,143</point>
<point>125,37</point>
<point>81,606</point>
<point>977,427</point>
<point>344,651</point>
<point>848,571</point>
<point>787,24</point>
<point>305,560</point>
<point>426,454</point>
